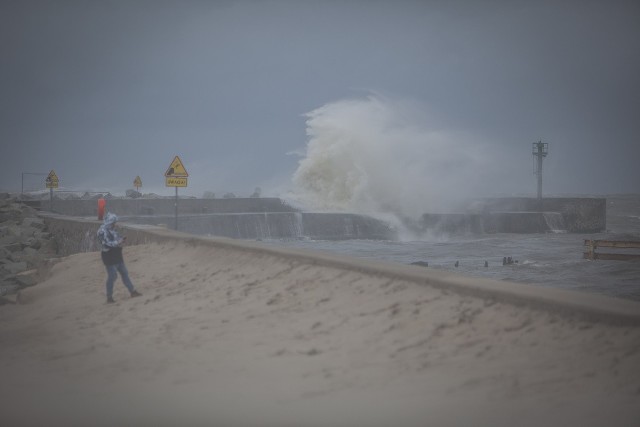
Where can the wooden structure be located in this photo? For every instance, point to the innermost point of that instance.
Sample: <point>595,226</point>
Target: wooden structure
<point>592,245</point>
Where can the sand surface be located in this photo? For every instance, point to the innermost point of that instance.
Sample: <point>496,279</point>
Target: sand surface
<point>225,337</point>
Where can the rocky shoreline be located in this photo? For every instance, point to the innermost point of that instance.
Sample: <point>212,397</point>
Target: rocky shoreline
<point>26,248</point>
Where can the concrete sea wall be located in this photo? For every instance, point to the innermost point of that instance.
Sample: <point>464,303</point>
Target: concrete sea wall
<point>73,235</point>
<point>277,225</point>
<point>166,206</point>
<point>580,215</point>
<point>523,215</point>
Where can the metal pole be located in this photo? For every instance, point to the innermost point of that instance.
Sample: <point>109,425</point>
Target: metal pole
<point>28,173</point>
<point>51,199</point>
<point>176,204</point>
<point>539,171</point>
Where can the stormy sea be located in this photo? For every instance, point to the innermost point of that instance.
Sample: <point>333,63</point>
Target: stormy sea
<point>379,155</point>
<point>550,259</point>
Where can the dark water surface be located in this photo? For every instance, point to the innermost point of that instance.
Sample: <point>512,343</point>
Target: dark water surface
<point>554,260</point>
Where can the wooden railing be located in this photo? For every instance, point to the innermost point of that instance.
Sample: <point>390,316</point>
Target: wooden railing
<point>592,245</point>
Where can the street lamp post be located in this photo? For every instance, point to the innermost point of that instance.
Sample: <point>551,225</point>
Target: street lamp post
<point>540,151</point>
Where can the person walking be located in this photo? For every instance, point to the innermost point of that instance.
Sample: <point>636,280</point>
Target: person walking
<point>112,256</point>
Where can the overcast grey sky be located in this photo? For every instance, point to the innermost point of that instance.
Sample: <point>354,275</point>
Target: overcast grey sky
<point>102,91</point>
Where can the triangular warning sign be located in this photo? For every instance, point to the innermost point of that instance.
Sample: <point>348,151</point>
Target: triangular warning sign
<point>176,169</point>
<point>137,182</point>
<point>52,180</point>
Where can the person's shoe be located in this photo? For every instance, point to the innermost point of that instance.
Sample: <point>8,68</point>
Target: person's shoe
<point>135,294</point>
<point>110,300</point>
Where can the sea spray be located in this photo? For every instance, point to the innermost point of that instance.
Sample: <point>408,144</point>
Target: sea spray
<point>376,155</point>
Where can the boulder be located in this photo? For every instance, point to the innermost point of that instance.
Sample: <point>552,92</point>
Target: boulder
<point>15,257</point>
<point>27,278</point>
<point>42,235</point>
<point>8,288</point>
<point>33,243</point>
<point>15,267</point>
<point>13,247</point>
<point>35,223</point>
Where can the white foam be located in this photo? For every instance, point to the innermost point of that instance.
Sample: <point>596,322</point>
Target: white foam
<point>379,155</point>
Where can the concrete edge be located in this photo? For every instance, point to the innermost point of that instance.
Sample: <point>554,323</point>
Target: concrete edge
<point>565,302</point>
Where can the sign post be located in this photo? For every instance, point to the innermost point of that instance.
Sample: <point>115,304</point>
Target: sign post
<point>137,183</point>
<point>176,176</point>
<point>51,182</point>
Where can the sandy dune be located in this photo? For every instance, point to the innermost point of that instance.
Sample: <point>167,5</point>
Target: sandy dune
<point>224,337</point>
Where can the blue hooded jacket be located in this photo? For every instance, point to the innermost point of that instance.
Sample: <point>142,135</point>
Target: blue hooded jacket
<point>109,237</point>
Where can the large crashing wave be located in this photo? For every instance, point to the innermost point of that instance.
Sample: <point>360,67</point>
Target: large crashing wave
<point>374,155</point>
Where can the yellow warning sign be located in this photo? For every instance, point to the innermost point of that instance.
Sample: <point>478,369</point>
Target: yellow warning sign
<point>137,182</point>
<point>176,182</point>
<point>176,169</point>
<point>52,180</point>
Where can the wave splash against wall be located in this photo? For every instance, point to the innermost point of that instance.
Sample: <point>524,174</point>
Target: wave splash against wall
<point>378,155</point>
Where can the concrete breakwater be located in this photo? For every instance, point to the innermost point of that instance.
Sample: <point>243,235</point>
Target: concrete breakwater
<point>166,206</point>
<point>248,218</point>
<point>496,222</point>
<point>523,215</point>
<point>278,225</point>
<point>272,218</point>
<point>579,214</point>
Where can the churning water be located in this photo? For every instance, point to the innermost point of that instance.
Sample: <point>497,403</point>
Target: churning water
<point>380,155</point>
<point>553,259</point>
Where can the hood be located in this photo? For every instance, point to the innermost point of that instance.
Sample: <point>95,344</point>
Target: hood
<point>110,218</point>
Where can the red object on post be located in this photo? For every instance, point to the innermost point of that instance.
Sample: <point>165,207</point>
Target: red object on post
<point>101,204</point>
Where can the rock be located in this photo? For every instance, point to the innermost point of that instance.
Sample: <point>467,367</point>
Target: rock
<point>42,235</point>
<point>15,267</point>
<point>13,247</point>
<point>33,243</point>
<point>36,223</point>
<point>8,288</point>
<point>15,257</point>
<point>30,251</point>
<point>10,293</point>
<point>27,210</point>
<point>28,232</point>
<point>13,230</point>
<point>26,278</point>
